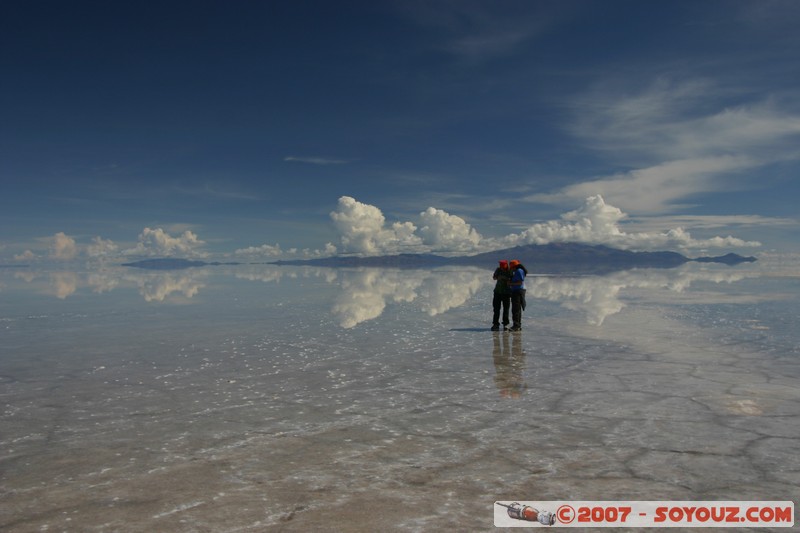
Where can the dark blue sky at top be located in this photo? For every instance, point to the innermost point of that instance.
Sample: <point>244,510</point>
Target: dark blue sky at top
<point>246,121</point>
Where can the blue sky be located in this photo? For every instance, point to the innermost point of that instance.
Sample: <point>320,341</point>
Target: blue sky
<point>300,128</point>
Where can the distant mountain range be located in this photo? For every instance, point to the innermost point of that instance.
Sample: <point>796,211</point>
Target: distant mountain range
<point>562,258</point>
<point>566,258</point>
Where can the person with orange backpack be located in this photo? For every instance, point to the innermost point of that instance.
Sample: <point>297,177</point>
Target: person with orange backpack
<point>502,295</point>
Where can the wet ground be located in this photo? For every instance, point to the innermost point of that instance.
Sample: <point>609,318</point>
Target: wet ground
<point>261,399</point>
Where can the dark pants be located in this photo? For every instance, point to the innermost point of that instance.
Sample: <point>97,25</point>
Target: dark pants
<point>504,301</point>
<point>517,305</point>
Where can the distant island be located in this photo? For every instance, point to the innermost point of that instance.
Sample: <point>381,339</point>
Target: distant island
<point>169,263</point>
<point>554,258</point>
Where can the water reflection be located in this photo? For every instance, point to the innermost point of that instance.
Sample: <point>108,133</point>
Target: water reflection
<point>152,286</point>
<point>599,296</point>
<point>363,294</point>
<point>63,284</point>
<point>509,365</point>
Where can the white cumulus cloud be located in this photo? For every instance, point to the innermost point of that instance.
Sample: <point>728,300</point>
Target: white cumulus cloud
<point>101,248</point>
<point>63,247</point>
<point>159,242</point>
<point>268,250</point>
<point>362,229</point>
<point>27,255</point>
<point>444,231</point>
<point>597,222</point>
<point>275,250</point>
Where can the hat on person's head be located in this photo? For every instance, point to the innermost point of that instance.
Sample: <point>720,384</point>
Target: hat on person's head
<point>514,263</point>
<point>503,263</point>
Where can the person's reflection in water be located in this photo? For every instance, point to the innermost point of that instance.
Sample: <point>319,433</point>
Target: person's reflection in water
<point>509,365</point>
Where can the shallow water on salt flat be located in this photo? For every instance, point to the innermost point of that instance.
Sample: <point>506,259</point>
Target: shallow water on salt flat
<point>256,397</point>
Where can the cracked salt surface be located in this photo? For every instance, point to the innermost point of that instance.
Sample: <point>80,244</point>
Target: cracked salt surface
<point>258,398</point>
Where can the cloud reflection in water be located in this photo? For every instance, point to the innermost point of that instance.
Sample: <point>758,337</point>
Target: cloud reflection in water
<point>363,294</point>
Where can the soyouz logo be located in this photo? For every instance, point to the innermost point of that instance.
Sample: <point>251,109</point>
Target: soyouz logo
<point>528,513</point>
<point>644,514</point>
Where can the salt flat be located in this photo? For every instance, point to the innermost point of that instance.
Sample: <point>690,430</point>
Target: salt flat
<point>258,398</point>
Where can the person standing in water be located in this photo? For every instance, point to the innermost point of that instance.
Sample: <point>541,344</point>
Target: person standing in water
<point>517,286</point>
<point>502,295</point>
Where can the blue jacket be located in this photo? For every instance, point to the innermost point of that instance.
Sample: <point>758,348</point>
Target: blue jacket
<point>517,280</point>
